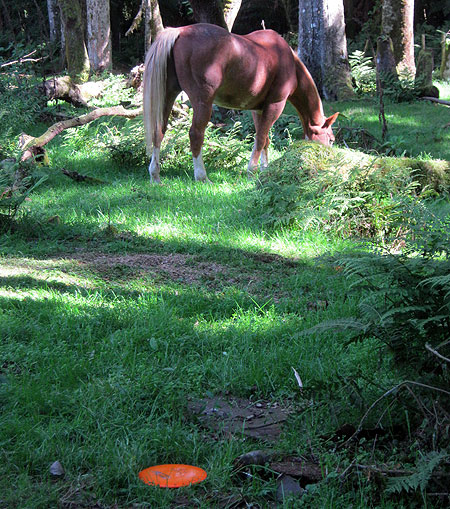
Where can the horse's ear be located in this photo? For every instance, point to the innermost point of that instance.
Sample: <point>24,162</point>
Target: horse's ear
<point>330,121</point>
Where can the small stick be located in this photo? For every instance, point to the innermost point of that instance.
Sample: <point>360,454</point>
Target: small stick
<point>432,350</point>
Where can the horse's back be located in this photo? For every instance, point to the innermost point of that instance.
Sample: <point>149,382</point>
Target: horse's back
<point>240,71</point>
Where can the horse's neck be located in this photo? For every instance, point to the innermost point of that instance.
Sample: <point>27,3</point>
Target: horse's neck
<point>305,98</point>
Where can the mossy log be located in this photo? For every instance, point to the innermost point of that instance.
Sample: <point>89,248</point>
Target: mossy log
<point>312,158</point>
<point>66,89</point>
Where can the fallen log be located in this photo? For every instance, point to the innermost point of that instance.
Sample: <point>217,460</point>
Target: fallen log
<point>65,89</point>
<point>33,144</point>
<point>435,100</point>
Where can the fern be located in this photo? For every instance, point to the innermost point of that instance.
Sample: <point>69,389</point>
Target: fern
<point>420,478</point>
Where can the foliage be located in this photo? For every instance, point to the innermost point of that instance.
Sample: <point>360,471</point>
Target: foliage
<point>17,182</point>
<point>407,303</point>
<point>363,73</point>
<point>21,103</point>
<point>340,191</point>
<point>222,147</point>
<point>426,464</point>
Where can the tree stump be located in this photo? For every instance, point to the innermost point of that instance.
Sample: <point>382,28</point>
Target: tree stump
<point>424,74</point>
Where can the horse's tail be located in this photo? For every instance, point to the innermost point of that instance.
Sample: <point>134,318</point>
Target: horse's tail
<point>155,75</point>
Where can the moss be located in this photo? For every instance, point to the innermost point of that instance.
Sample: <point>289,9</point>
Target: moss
<point>305,159</point>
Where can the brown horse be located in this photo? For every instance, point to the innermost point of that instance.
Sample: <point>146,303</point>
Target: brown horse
<point>257,72</point>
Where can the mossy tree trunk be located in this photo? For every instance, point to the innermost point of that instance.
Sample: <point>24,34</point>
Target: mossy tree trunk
<point>322,47</point>
<point>77,58</point>
<point>398,23</point>
<point>153,22</point>
<point>386,68</point>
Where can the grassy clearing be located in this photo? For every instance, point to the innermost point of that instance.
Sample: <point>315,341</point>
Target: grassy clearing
<point>121,302</point>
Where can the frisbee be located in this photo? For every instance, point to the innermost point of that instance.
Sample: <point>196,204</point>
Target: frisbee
<point>172,476</point>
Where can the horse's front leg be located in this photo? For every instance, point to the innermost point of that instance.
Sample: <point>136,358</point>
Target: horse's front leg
<point>202,115</point>
<point>263,122</point>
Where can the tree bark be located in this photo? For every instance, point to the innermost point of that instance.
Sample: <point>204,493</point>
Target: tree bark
<point>398,23</point>
<point>77,58</point>
<point>322,46</point>
<point>54,20</point>
<point>99,34</point>
<point>386,69</point>
<point>209,11</point>
<point>153,22</point>
<point>445,60</point>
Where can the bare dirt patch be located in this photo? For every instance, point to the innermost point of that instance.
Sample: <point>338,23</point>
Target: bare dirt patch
<point>186,269</point>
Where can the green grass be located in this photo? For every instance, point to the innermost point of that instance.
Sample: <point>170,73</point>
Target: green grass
<point>121,301</point>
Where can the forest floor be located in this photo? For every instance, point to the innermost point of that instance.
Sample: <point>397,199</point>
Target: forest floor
<point>144,325</point>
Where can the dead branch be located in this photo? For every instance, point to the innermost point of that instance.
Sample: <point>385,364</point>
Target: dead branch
<point>21,60</point>
<point>435,100</point>
<point>386,394</point>
<point>55,129</point>
<point>435,352</point>
<point>74,175</point>
<point>136,20</point>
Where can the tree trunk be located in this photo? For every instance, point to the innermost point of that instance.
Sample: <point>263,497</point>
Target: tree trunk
<point>230,10</point>
<point>99,34</point>
<point>54,20</point>
<point>386,69</point>
<point>153,22</point>
<point>76,53</point>
<point>8,22</point>
<point>209,11</point>
<point>445,61</point>
<point>322,46</point>
<point>398,24</point>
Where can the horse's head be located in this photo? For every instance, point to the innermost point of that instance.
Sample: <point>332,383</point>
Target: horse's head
<point>323,134</point>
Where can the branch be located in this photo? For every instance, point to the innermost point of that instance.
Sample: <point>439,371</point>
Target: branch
<point>136,20</point>
<point>433,99</point>
<point>387,393</point>
<point>23,59</point>
<point>55,129</point>
<point>432,350</point>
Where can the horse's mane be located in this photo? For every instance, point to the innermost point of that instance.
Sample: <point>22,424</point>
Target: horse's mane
<point>155,75</point>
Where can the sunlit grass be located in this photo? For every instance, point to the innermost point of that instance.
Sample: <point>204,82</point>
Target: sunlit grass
<point>100,353</point>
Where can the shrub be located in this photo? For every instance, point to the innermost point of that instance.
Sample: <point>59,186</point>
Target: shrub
<point>363,73</point>
<point>17,182</point>
<point>21,104</point>
<point>344,191</point>
<point>407,294</point>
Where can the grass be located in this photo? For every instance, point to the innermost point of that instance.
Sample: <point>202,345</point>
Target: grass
<point>120,302</point>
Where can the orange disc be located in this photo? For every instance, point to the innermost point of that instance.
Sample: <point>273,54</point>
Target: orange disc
<point>172,476</point>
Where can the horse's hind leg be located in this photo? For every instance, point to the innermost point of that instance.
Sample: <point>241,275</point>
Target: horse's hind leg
<point>154,167</point>
<point>202,115</point>
<point>172,90</point>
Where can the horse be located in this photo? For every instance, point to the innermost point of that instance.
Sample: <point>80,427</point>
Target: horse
<point>257,72</point>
